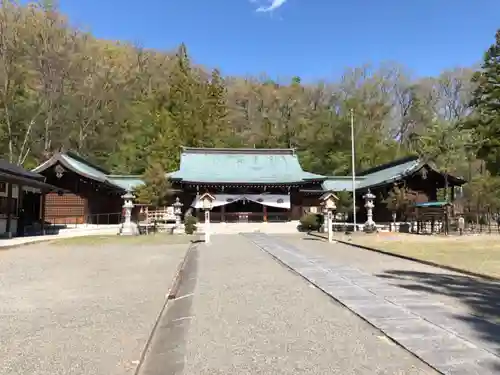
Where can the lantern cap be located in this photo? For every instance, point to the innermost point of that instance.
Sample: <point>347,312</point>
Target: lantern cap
<point>328,195</point>
<point>177,203</point>
<point>128,195</point>
<point>207,196</point>
<point>369,195</point>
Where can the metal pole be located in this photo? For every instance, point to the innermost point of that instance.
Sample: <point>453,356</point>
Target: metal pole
<point>353,172</point>
<point>330,230</point>
<point>207,226</point>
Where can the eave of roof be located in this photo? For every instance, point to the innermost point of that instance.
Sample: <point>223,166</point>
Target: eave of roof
<point>243,183</point>
<point>80,166</point>
<point>24,181</point>
<point>14,169</point>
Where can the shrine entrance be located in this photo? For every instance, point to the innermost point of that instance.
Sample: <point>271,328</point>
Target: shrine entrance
<point>248,208</point>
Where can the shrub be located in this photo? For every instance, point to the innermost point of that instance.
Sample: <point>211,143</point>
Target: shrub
<point>190,224</point>
<point>310,222</point>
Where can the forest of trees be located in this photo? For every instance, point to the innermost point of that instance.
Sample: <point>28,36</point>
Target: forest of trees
<point>130,109</point>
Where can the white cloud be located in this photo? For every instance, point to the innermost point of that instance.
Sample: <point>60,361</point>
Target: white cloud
<point>272,5</point>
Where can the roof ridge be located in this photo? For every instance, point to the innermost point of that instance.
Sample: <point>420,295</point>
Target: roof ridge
<point>124,176</point>
<point>357,177</point>
<point>391,164</point>
<point>235,151</point>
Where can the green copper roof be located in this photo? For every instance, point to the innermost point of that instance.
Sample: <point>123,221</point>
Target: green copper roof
<point>340,183</point>
<point>383,175</point>
<point>84,168</point>
<point>389,173</point>
<point>373,177</point>
<point>259,166</point>
<point>128,183</point>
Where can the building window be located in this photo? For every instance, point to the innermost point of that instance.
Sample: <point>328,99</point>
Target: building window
<point>3,187</point>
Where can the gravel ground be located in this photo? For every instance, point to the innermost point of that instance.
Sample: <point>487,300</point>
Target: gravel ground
<point>81,309</point>
<point>379,264</point>
<point>253,316</point>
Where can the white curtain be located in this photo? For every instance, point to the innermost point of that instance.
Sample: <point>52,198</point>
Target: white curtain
<point>271,200</point>
<point>220,200</point>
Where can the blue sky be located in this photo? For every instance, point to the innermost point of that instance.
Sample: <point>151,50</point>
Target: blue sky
<point>309,38</point>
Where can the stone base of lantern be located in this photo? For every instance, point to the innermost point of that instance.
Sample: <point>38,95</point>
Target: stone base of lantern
<point>129,229</point>
<point>370,227</point>
<point>179,229</point>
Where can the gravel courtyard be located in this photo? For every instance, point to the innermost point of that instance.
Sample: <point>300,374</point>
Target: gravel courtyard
<point>81,309</point>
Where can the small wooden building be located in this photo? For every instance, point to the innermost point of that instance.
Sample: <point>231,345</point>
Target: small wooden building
<point>22,198</point>
<point>419,177</point>
<point>94,194</point>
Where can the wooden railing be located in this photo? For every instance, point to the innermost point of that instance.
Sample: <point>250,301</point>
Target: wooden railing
<point>159,215</point>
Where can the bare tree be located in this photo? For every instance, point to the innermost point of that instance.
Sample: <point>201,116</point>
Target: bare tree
<point>12,65</point>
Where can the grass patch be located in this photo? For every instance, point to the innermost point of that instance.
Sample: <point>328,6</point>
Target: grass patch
<point>479,254</point>
<point>98,240</point>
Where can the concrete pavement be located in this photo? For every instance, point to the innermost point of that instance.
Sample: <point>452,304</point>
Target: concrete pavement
<point>419,317</point>
<point>247,314</point>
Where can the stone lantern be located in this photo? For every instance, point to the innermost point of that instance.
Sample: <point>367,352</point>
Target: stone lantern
<point>369,205</point>
<point>206,203</point>
<point>128,228</point>
<point>328,201</point>
<point>179,227</point>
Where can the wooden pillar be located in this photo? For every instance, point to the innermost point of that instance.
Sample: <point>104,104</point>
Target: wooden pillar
<point>223,213</point>
<point>20,211</point>
<point>452,201</point>
<point>290,211</point>
<point>42,211</point>
<point>264,213</point>
<point>8,224</point>
<point>20,198</point>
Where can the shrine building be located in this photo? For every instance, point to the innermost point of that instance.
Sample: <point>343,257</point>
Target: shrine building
<point>94,194</point>
<point>249,185</point>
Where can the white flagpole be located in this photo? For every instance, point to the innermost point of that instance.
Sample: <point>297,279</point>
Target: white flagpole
<point>353,172</point>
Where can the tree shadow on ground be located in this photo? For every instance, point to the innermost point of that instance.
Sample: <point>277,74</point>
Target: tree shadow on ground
<point>480,295</point>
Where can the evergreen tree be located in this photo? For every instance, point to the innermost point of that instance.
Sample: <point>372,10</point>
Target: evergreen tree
<point>216,121</point>
<point>157,190</point>
<point>185,99</point>
<point>399,200</point>
<point>485,122</point>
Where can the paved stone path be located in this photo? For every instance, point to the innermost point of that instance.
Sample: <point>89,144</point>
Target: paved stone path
<point>425,328</point>
<point>470,305</point>
<point>247,314</point>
